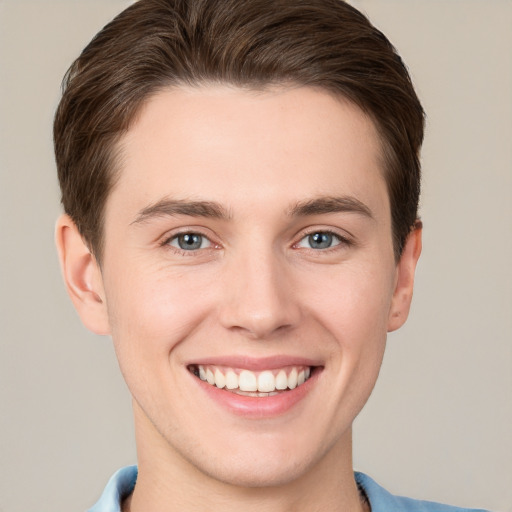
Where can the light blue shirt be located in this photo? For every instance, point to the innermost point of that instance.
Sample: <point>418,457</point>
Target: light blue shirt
<point>123,481</point>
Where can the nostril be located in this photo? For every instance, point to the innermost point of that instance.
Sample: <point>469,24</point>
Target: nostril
<point>261,330</point>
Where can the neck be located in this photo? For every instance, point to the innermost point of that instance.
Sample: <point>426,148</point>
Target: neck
<point>167,482</point>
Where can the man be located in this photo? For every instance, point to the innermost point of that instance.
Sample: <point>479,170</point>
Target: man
<point>240,180</point>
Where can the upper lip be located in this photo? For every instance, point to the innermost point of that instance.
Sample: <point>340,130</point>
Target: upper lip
<point>255,363</point>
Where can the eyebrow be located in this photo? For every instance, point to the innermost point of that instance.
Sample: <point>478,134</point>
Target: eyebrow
<point>213,210</point>
<point>330,204</point>
<point>173,207</point>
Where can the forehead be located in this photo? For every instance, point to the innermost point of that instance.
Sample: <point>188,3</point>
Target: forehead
<point>231,144</point>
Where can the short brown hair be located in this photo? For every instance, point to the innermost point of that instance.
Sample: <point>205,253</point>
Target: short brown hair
<point>154,44</point>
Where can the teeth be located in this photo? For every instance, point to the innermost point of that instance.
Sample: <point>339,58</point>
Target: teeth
<point>231,379</point>
<point>292,379</point>
<point>210,377</point>
<point>249,393</point>
<point>266,382</point>
<point>246,382</point>
<point>220,380</point>
<point>281,380</point>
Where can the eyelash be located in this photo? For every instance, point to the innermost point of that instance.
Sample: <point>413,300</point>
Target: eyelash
<point>341,241</point>
<point>166,243</point>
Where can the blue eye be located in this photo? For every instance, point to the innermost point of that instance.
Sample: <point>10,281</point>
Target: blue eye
<point>190,241</point>
<point>320,240</point>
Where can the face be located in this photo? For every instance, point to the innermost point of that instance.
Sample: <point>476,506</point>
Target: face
<point>248,278</point>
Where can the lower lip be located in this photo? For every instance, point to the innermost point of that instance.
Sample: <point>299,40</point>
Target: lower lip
<point>256,406</point>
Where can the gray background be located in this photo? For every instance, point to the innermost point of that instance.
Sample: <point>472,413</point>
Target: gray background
<point>438,424</point>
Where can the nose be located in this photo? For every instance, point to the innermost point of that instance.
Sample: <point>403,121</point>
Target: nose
<point>258,296</point>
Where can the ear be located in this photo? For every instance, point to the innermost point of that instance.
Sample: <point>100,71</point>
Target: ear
<point>82,276</point>
<point>404,282</point>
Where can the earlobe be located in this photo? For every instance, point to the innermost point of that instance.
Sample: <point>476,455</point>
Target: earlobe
<point>402,295</point>
<point>82,276</point>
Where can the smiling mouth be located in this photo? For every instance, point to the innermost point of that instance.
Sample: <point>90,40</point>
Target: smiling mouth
<point>248,383</point>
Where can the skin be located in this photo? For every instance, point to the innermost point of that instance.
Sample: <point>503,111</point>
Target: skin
<point>256,288</point>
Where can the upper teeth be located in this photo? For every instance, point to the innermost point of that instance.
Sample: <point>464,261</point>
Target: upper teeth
<point>266,381</point>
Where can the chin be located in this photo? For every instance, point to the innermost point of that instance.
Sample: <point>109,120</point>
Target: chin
<point>268,472</point>
<point>265,460</point>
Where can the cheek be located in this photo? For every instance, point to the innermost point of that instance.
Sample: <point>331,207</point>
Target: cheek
<point>151,313</point>
<point>355,309</point>
<point>353,303</point>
